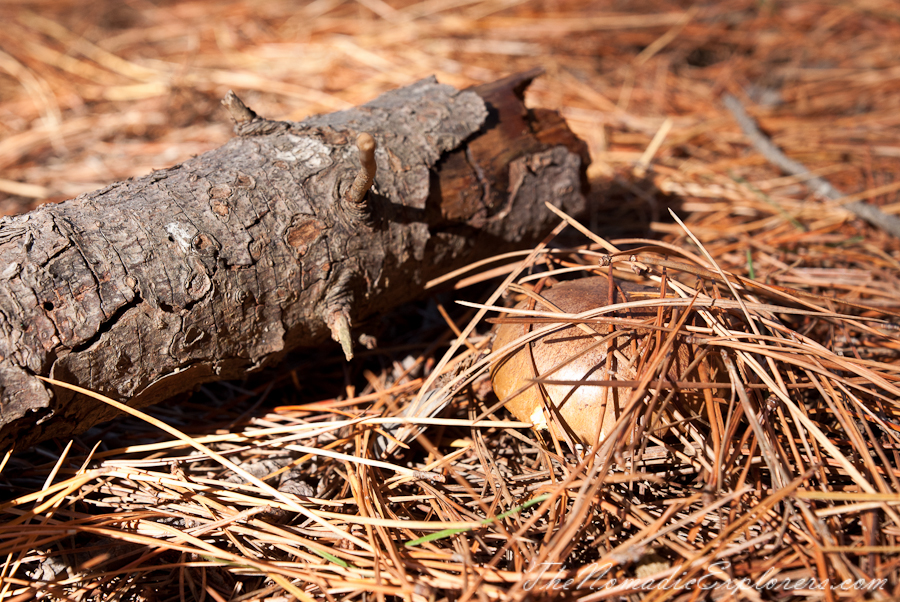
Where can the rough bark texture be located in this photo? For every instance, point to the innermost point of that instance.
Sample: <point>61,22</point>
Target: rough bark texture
<point>209,269</point>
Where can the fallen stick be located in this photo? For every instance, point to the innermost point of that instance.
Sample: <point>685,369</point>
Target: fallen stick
<point>279,239</point>
<point>819,186</point>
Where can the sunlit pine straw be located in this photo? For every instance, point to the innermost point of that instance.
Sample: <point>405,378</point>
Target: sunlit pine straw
<point>792,472</point>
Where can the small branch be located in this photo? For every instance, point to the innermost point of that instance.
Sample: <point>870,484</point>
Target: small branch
<point>271,204</point>
<point>820,186</point>
<point>246,121</point>
<point>239,112</point>
<point>337,313</point>
<point>340,332</point>
<point>355,198</point>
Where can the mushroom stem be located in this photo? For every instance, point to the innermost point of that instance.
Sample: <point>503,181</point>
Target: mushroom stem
<point>355,198</point>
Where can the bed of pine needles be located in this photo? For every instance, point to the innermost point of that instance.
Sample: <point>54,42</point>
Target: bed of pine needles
<point>785,485</point>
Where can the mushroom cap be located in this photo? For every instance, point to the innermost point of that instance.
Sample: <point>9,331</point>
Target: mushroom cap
<point>571,354</point>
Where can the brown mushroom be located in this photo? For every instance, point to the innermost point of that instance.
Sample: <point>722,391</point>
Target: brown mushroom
<point>571,354</point>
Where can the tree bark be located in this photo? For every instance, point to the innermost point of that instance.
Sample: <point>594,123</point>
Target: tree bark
<point>212,268</point>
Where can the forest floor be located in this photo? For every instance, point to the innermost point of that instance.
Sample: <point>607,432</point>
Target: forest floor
<point>791,477</point>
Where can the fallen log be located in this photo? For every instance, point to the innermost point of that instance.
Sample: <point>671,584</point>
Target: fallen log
<point>209,269</point>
